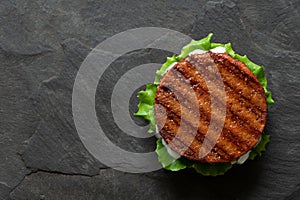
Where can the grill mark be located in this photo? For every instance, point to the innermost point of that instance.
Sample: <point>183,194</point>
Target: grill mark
<point>176,110</point>
<point>190,153</point>
<point>204,95</point>
<point>234,65</point>
<point>226,83</point>
<point>238,68</point>
<point>221,151</point>
<point>236,118</point>
<point>249,128</point>
<point>245,112</point>
<point>225,132</point>
<point>224,59</point>
<point>188,150</point>
<point>235,94</point>
<point>200,136</point>
<point>239,93</point>
<point>256,110</point>
<point>200,88</point>
<point>232,135</point>
<point>205,118</point>
<point>176,118</point>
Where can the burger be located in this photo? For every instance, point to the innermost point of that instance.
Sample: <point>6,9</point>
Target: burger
<point>208,108</point>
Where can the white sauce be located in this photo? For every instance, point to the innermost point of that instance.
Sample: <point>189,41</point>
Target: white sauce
<point>258,142</point>
<point>170,151</point>
<point>214,50</point>
<point>197,51</point>
<point>218,50</point>
<point>157,135</point>
<point>244,157</point>
<point>175,155</point>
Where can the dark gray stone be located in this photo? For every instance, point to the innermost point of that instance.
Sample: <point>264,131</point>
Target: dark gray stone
<point>51,149</point>
<point>4,191</point>
<point>12,168</point>
<point>109,184</point>
<point>17,117</point>
<point>55,146</point>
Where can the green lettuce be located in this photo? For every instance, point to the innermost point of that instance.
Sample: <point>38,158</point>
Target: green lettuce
<point>146,109</point>
<point>146,105</point>
<point>207,169</point>
<point>159,73</point>
<point>260,147</point>
<point>173,164</point>
<point>167,161</point>
<point>257,70</point>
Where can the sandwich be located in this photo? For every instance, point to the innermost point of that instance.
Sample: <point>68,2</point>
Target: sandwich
<point>208,108</point>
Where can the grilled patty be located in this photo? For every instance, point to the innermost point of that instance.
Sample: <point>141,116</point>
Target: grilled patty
<point>184,104</point>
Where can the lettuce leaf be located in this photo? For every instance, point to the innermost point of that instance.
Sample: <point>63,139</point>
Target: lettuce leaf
<point>212,169</point>
<point>257,70</point>
<point>146,109</point>
<point>203,44</point>
<point>173,164</point>
<point>206,169</point>
<point>159,73</point>
<point>167,161</point>
<point>146,105</point>
<point>260,147</point>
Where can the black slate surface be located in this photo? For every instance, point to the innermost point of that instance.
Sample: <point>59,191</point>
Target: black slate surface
<point>42,45</point>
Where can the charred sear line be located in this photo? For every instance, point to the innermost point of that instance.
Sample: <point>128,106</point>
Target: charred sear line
<point>221,68</point>
<point>199,88</point>
<point>203,117</point>
<point>176,118</point>
<point>175,140</point>
<point>238,69</point>
<point>245,107</point>
<point>239,95</point>
<point>240,144</point>
<point>233,66</point>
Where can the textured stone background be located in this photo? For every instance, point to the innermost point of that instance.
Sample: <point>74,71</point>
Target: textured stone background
<point>43,43</point>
